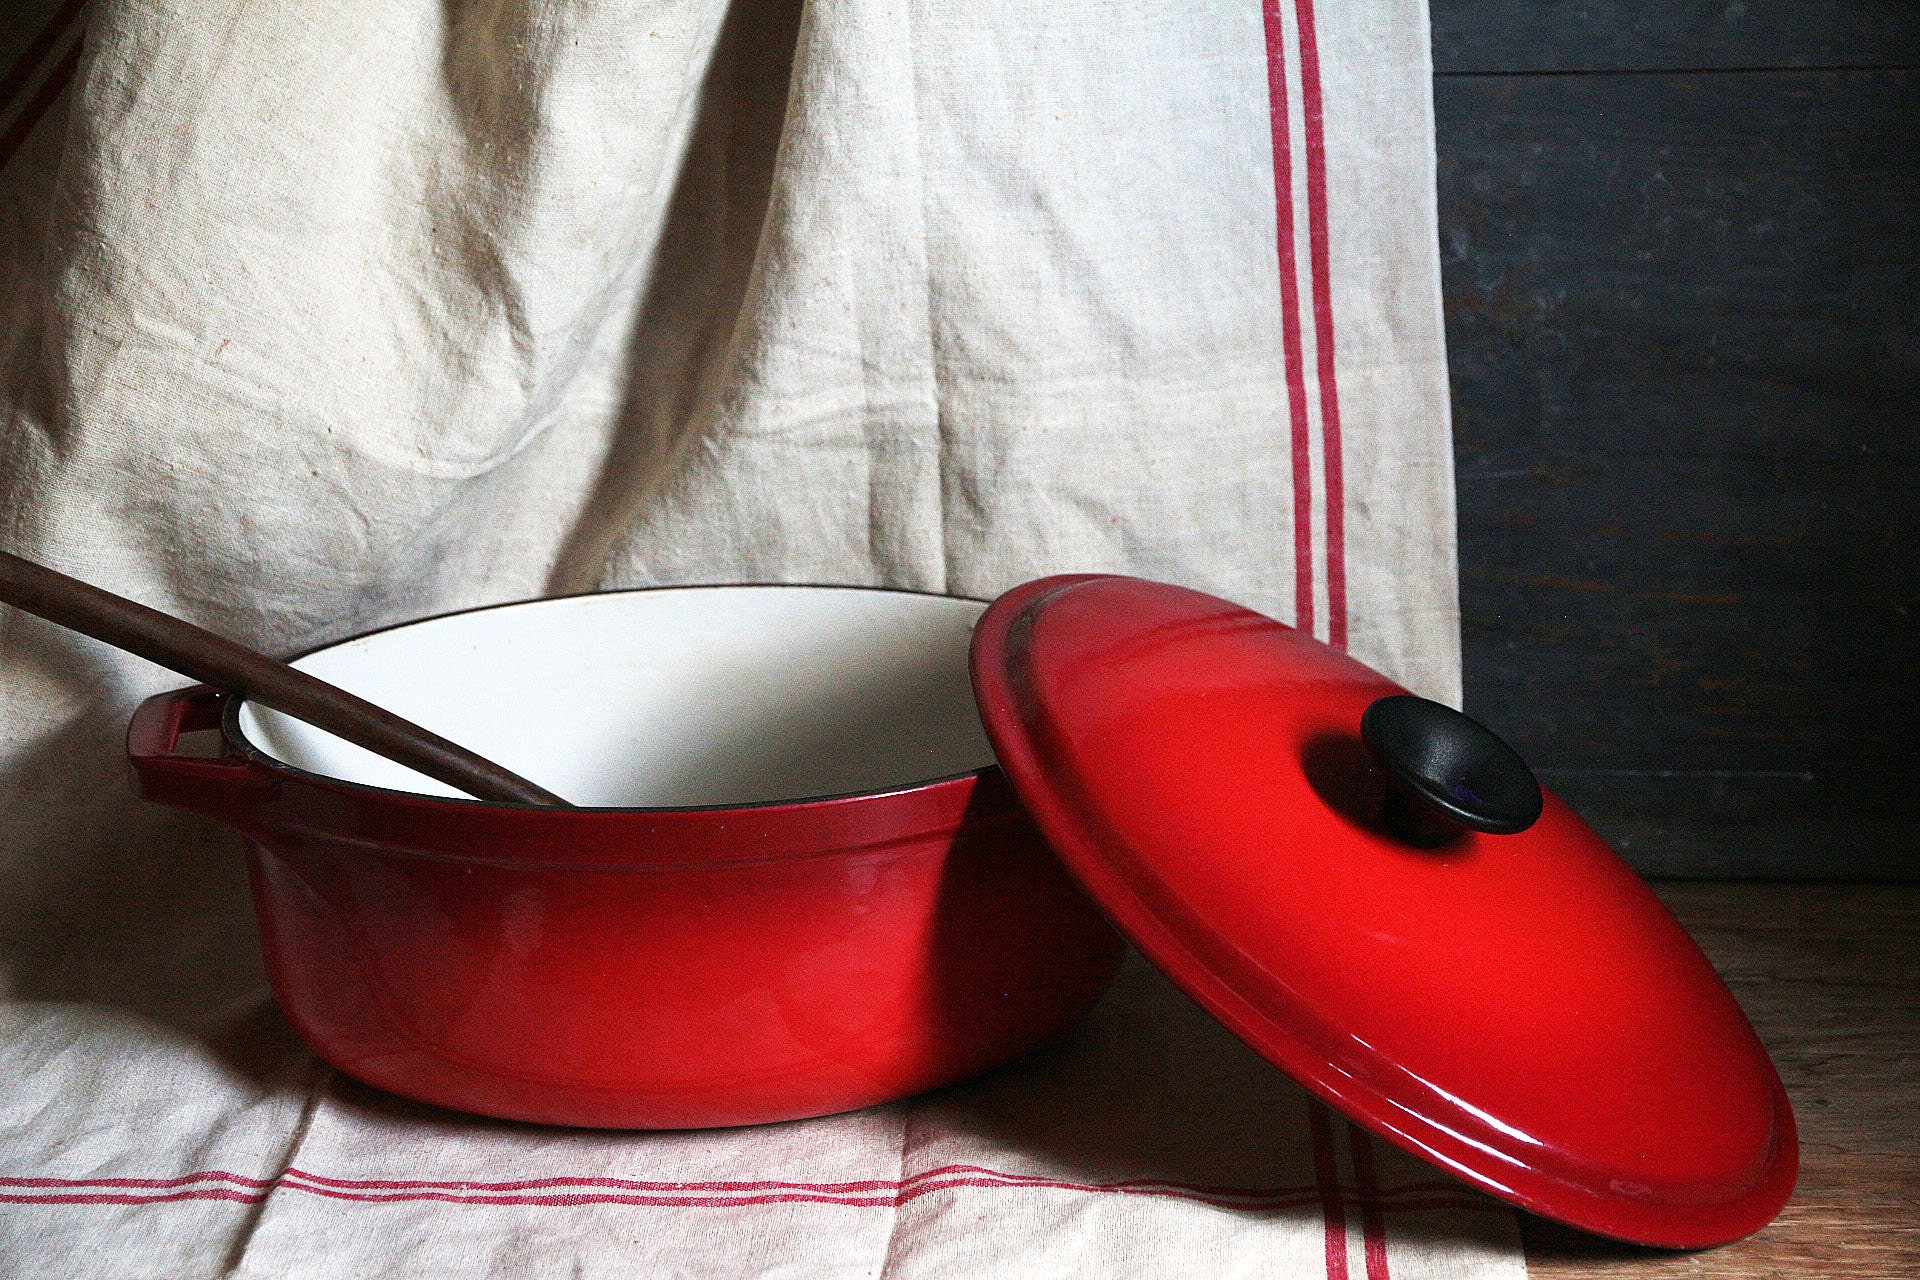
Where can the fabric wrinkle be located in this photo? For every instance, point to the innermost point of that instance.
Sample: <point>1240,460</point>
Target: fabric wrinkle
<point>315,320</point>
<point>236,1259</point>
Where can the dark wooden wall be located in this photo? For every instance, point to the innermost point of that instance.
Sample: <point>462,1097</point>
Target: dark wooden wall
<point>1681,247</point>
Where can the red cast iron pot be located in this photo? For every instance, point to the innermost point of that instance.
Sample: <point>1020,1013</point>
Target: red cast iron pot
<point>797,884</point>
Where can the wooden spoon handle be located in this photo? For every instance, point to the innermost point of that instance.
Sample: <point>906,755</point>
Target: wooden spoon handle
<point>211,659</point>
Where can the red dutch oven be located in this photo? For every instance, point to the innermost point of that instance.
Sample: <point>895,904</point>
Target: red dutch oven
<point>798,884</point>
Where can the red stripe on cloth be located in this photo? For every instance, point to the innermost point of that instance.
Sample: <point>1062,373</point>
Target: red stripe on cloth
<point>1297,1201</point>
<point>627,1184</point>
<point>630,1184</point>
<point>1373,1224</point>
<point>29,60</point>
<point>133,1197</point>
<point>50,88</point>
<point>1333,1211</point>
<point>1319,256</point>
<point>549,1184</point>
<point>580,1192</point>
<point>1456,1203</point>
<point>886,1201</point>
<point>1290,337</point>
<point>872,1185</point>
<point>144,1184</point>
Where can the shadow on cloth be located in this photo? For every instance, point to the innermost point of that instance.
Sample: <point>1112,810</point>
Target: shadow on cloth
<point>146,910</point>
<point>1146,1091</point>
<point>703,272</point>
<point>114,901</point>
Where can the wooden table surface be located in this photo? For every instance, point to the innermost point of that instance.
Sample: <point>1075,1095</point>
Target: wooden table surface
<point>1830,976</point>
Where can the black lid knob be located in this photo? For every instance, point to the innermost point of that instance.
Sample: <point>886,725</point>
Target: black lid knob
<point>1454,769</point>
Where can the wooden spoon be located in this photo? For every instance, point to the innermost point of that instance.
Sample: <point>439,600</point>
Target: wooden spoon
<point>211,659</point>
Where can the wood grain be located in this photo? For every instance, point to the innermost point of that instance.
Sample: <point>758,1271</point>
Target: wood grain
<point>1644,35</point>
<point>1680,318</point>
<point>1830,976</point>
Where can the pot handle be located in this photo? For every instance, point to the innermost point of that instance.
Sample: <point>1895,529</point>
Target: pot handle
<point>226,786</point>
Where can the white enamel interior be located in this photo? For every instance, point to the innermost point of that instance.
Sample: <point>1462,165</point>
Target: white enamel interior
<point>682,696</point>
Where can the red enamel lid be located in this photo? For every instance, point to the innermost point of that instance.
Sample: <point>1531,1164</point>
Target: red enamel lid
<point>1518,1009</point>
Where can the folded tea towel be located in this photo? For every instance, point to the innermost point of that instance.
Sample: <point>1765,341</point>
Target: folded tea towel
<point>315,318</point>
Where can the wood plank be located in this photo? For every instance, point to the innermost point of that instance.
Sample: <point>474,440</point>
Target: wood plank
<point>1680,319</point>
<point>1478,36</point>
<point>1830,977</point>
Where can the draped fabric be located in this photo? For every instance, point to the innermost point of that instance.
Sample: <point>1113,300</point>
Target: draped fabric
<point>320,318</point>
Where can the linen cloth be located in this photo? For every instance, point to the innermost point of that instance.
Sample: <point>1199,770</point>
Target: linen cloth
<point>317,318</point>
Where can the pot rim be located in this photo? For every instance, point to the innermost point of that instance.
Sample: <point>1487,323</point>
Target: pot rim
<point>235,738</point>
